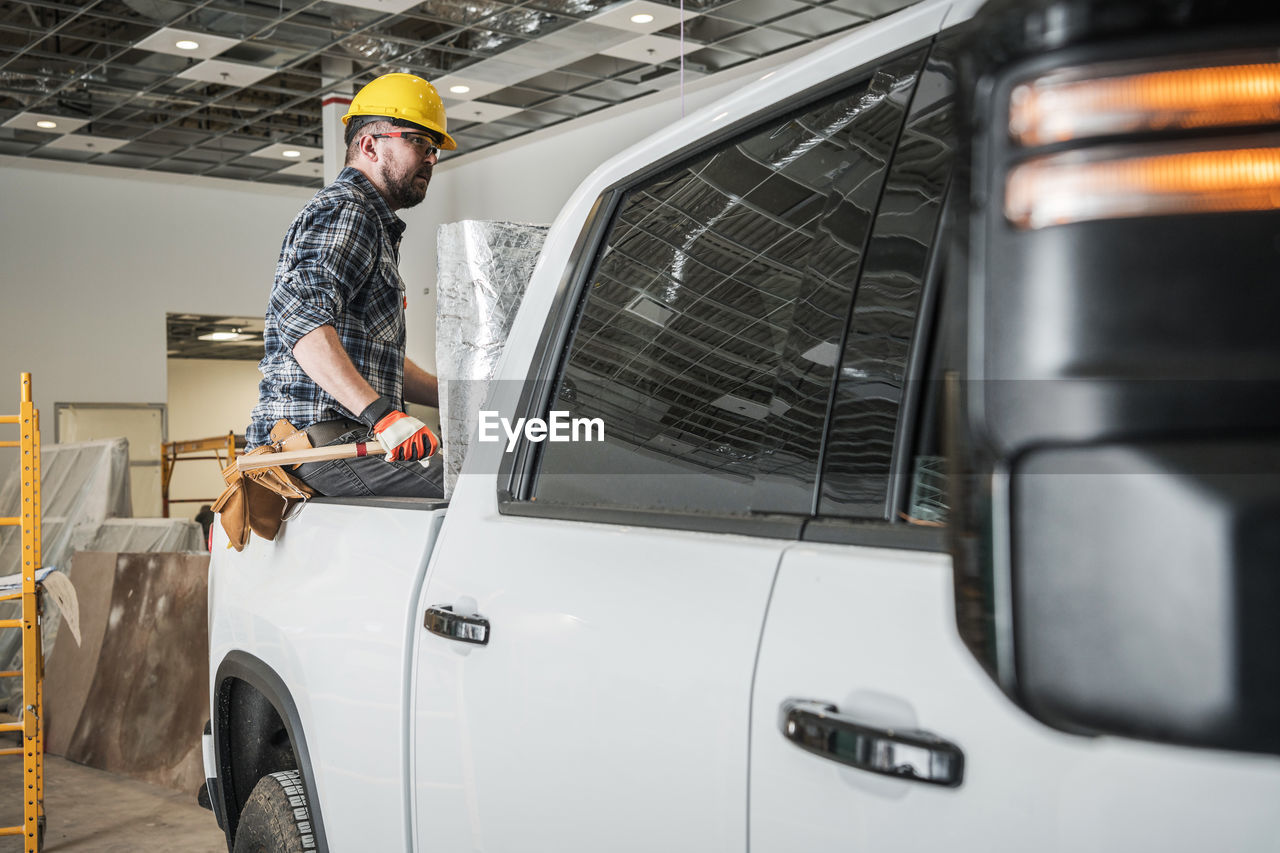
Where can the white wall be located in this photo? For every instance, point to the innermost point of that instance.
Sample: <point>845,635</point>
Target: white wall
<point>93,258</point>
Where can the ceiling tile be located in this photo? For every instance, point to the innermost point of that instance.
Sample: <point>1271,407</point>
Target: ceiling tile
<point>15,148</point>
<point>475,111</point>
<point>207,156</point>
<point>709,60</point>
<point>124,161</point>
<point>870,9</point>
<point>653,16</point>
<point>258,53</point>
<point>385,6</point>
<point>483,133</point>
<point>707,29</point>
<point>449,84</point>
<point>515,96</point>
<point>29,121</point>
<point>570,7</point>
<point>760,42</point>
<point>150,150</point>
<point>533,119</point>
<point>615,91</point>
<point>72,155</point>
<point>668,79</point>
<point>306,170</point>
<point>558,82</point>
<point>277,151</point>
<point>500,72</point>
<point>758,11</point>
<point>166,41</point>
<point>236,171</point>
<point>286,180</point>
<point>650,49</point>
<point>602,66</point>
<point>817,23</point>
<point>587,36</point>
<point>543,56</point>
<point>568,105</point>
<point>184,167</point>
<point>85,142</point>
<point>226,73</point>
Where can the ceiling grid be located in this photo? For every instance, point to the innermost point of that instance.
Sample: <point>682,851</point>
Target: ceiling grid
<point>223,88</point>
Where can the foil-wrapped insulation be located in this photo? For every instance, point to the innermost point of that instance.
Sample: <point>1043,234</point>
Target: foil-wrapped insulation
<point>482,270</point>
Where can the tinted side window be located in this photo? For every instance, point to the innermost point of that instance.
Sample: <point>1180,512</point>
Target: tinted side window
<point>707,338</point>
<point>874,374</point>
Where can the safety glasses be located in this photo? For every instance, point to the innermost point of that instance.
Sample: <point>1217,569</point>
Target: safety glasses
<point>421,142</point>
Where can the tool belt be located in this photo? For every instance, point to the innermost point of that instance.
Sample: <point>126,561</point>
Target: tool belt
<point>260,500</point>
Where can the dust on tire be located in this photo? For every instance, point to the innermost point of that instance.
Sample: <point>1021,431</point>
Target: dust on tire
<point>277,817</point>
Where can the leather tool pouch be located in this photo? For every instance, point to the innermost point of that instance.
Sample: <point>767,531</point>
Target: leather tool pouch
<point>260,500</point>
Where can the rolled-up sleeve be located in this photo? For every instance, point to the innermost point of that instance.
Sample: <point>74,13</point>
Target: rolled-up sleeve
<point>333,251</point>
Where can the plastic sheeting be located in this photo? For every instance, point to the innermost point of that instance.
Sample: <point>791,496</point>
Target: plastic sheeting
<point>81,485</point>
<point>148,535</point>
<point>483,269</point>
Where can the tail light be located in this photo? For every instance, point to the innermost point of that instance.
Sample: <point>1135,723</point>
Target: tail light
<point>1116,514</point>
<point>1141,181</point>
<point>1139,100</point>
<point>1188,93</point>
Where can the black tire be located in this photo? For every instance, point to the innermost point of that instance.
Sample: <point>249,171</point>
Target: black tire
<point>276,819</point>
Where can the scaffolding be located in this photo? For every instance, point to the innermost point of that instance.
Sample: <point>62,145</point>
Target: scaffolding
<point>173,452</point>
<point>32,673</point>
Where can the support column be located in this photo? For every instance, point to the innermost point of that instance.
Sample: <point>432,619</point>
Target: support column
<point>333,106</point>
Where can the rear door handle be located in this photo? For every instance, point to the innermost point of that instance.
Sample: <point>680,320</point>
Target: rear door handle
<point>911,754</point>
<point>440,619</point>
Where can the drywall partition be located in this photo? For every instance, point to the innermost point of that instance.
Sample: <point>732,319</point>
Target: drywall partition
<point>132,697</point>
<point>94,257</point>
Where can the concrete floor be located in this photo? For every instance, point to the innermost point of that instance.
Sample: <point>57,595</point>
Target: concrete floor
<point>89,811</point>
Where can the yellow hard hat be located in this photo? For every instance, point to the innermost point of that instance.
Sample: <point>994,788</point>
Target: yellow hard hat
<point>406,97</point>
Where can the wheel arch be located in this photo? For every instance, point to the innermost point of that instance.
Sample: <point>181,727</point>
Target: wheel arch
<point>253,706</point>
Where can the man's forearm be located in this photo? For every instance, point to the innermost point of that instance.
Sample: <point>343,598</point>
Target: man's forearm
<point>420,386</point>
<point>320,354</point>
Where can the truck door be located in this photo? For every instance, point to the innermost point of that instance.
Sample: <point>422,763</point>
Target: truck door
<point>593,610</point>
<point>872,726</point>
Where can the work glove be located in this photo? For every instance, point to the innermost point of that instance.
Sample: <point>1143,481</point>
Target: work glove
<point>404,438</point>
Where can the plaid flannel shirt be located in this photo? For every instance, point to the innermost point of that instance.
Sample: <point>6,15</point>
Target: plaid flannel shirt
<point>338,267</point>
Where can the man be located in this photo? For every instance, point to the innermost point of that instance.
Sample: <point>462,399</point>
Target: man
<point>335,360</point>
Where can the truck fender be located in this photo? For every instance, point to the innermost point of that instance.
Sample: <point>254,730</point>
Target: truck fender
<point>249,691</point>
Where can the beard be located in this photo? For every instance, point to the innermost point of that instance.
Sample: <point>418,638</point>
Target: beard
<point>402,189</point>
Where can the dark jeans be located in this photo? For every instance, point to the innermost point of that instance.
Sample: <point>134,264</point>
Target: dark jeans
<point>370,476</point>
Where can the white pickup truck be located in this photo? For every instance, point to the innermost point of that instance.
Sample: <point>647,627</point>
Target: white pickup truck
<point>937,506</point>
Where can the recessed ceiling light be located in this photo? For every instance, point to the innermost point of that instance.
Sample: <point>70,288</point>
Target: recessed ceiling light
<point>187,44</point>
<point>47,125</point>
<point>642,18</point>
<point>459,90</point>
<point>221,336</point>
<point>291,153</point>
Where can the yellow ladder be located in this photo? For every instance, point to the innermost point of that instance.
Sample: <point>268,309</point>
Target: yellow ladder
<point>32,672</point>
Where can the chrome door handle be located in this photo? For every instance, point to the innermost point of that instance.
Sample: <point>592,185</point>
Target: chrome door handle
<point>911,754</point>
<point>441,619</point>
